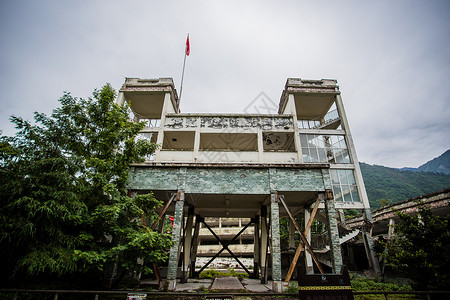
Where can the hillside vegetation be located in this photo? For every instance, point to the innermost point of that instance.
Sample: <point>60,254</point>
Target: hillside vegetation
<point>394,185</point>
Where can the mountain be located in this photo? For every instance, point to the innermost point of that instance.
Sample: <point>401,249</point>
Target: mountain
<point>440,164</point>
<point>394,185</point>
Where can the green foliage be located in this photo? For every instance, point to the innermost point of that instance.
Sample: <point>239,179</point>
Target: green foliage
<point>292,288</point>
<point>64,203</point>
<point>421,252</point>
<point>214,273</point>
<point>361,284</point>
<point>394,185</point>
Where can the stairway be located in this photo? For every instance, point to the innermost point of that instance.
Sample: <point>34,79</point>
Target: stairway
<point>348,236</point>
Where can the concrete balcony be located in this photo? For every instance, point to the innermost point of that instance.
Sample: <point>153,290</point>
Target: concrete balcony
<point>211,250</point>
<point>226,233</point>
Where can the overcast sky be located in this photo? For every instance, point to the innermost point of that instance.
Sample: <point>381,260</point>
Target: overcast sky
<point>391,60</point>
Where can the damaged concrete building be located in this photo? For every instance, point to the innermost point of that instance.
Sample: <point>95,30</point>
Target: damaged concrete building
<point>299,162</point>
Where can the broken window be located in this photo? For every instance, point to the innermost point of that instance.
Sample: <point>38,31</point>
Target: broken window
<point>324,148</point>
<point>278,141</point>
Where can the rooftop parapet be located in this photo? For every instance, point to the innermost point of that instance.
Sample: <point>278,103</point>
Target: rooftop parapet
<point>148,84</point>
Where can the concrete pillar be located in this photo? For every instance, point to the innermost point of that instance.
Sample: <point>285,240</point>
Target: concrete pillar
<point>367,233</point>
<point>173,253</point>
<point>309,267</point>
<point>260,146</point>
<point>187,244</point>
<point>167,108</point>
<point>277,285</point>
<point>161,223</point>
<point>291,236</point>
<point>264,237</point>
<point>391,228</point>
<point>256,249</point>
<point>120,99</point>
<point>292,247</point>
<point>194,247</point>
<point>333,232</point>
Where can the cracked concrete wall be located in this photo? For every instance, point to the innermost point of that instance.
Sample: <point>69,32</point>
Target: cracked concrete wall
<point>229,122</point>
<point>226,180</point>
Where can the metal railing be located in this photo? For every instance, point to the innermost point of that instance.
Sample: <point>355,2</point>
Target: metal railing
<point>315,123</point>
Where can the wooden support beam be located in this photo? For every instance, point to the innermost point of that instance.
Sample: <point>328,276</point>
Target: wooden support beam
<point>302,236</point>
<point>163,211</point>
<point>300,246</point>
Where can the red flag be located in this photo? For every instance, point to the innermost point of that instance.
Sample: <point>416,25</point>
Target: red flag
<point>188,48</point>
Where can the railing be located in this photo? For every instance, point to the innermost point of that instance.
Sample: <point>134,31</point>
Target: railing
<point>315,123</point>
<point>153,123</point>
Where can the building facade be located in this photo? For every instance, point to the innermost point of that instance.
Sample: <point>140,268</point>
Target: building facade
<point>257,166</point>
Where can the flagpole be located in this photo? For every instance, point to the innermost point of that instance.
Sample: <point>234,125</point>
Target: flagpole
<point>182,74</point>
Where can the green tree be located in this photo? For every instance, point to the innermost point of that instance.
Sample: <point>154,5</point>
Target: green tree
<point>421,251</point>
<point>64,206</point>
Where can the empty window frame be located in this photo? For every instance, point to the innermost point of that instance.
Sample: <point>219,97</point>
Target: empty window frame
<point>228,142</point>
<point>324,148</point>
<point>278,141</point>
<point>178,140</point>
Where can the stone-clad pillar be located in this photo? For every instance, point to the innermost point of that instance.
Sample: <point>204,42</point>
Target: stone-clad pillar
<point>277,286</point>
<point>174,254</point>
<point>194,247</point>
<point>263,248</point>
<point>309,267</point>
<point>333,232</point>
<point>187,245</point>
<point>256,250</point>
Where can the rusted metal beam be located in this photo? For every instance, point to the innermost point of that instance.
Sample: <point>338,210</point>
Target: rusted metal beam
<point>302,236</point>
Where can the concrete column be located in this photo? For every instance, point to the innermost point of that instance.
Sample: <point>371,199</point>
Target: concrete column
<point>309,267</point>
<point>292,247</point>
<point>336,255</point>
<point>161,223</point>
<point>196,144</point>
<point>176,232</point>
<point>120,99</point>
<point>256,250</point>
<point>264,237</point>
<point>167,108</point>
<point>291,236</point>
<point>291,109</point>
<point>352,152</point>
<point>194,247</point>
<point>260,146</point>
<point>367,233</point>
<point>391,228</point>
<point>187,244</point>
<point>277,285</point>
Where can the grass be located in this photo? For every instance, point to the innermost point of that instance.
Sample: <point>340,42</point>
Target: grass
<point>213,274</point>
